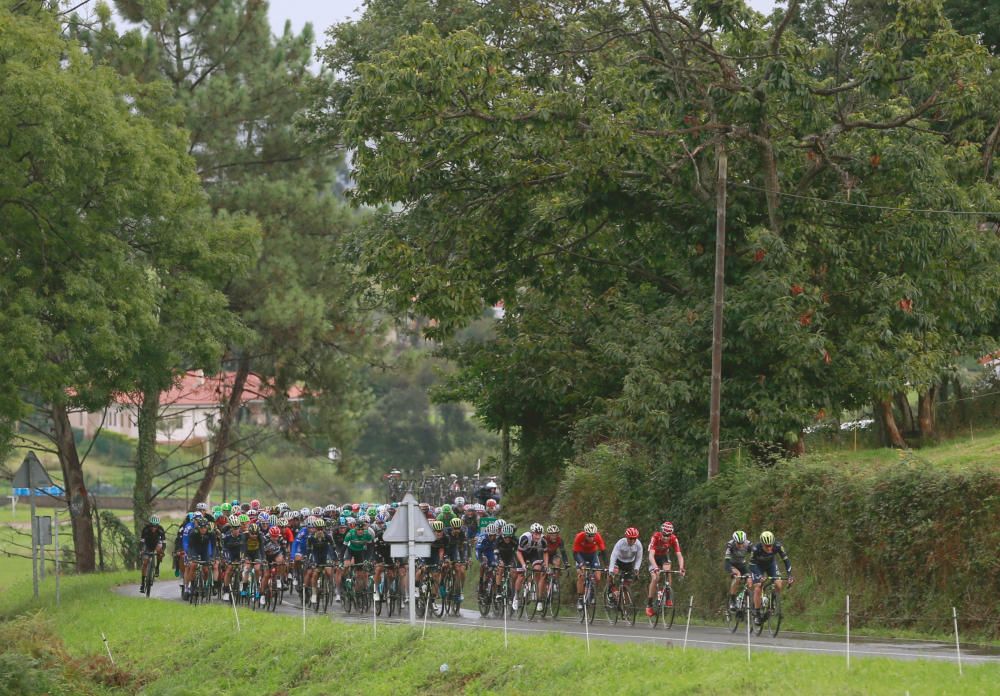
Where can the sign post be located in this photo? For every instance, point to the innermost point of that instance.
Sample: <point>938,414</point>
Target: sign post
<point>409,535</point>
<point>29,480</point>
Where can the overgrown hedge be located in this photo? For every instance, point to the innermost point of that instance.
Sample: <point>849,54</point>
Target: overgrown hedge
<point>907,541</point>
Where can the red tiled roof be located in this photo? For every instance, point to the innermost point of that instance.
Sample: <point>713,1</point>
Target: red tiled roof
<point>194,389</point>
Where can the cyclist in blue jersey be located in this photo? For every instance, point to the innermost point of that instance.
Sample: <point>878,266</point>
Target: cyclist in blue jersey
<point>764,563</point>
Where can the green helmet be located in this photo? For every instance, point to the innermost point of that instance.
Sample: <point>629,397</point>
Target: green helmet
<point>216,508</point>
<point>446,509</point>
<point>372,512</point>
<point>508,530</point>
<point>226,507</point>
<point>739,537</point>
<point>244,519</point>
<point>153,519</point>
<point>320,522</point>
<point>767,538</point>
<point>437,525</point>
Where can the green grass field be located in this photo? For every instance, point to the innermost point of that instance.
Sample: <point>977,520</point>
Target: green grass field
<point>169,648</point>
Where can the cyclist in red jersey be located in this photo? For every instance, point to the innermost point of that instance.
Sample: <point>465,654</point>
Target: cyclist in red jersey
<point>660,546</point>
<point>587,547</point>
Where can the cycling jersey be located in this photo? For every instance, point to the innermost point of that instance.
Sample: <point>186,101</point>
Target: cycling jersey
<point>152,535</point>
<point>506,548</point>
<point>199,546</point>
<point>661,545</point>
<point>626,555</point>
<point>299,545</point>
<point>457,549</point>
<point>764,559</point>
<point>319,547</point>
<point>530,547</point>
<point>736,556</point>
<point>581,544</point>
<point>555,548</point>
<point>382,549</point>
<point>486,548</point>
<point>439,547</point>
<point>273,548</point>
<point>231,546</point>
<point>358,541</point>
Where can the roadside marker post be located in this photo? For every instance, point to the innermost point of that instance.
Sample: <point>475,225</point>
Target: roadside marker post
<point>958,650</point>
<point>748,633</point>
<point>688,626</point>
<point>235,613</point>
<point>107,647</point>
<point>848,618</point>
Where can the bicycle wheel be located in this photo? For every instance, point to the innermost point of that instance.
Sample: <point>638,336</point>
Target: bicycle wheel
<point>775,613</point>
<point>610,605</point>
<point>486,596</point>
<point>628,606</point>
<point>150,574</point>
<point>668,611</point>
<point>500,598</point>
<point>555,598</point>
<point>274,596</point>
<point>531,596</point>
<point>381,595</point>
<point>324,599</point>
<point>590,603</point>
<point>522,600</point>
<point>347,596</point>
<point>740,613</point>
<point>440,599</point>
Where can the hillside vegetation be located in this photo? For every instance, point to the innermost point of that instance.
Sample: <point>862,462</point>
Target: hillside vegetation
<point>166,648</point>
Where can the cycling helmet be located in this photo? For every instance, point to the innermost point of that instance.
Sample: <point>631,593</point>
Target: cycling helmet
<point>254,504</point>
<point>226,507</point>
<point>317,511</point>
<point>552,529</point>
<point>263,518</point>
<point>305,512</point>
<point>282,507</point>
<point>235,502</point>
<point>295,515</point>
<point>362,520</point>
<point>437,525</point>
<point>501,521</point>
<point>236,509</point>
<point>244,519</point>
<point>253,529</point>
<point>536,528</point>
<point>203,523</point>
<point>153,519</point>
<point>631,533</point>
<point>355,507</point>
<point>253,513</point>
<point>739,536</point>
<point>509,529</point>
<point>446,509</point>
<point>767,538</point>
<point>351,522</point>
<point>459,501</point>
<point>320,522</point>
<point>491,503</point>
<point>234,520</point>
<point>456,522</point>
<point>201,506</point>
<point>491,485</point>
<point>423,506</point>
<point>330,508</point>
<point>274,532</point>
<point>590,528</point>
<point>216,508</point>
<point>380,518</point>
<point>372,512</point>
<point>343,521</point>
<point>196,515</point>
<point>493,528</point>
<point>667,528</point>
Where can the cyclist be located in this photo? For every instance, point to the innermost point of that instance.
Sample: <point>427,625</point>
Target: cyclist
<point>736,563</point>
<point>446,515</point>
<point>432,563</point>
<point>626,559</point>
<point>381,554</point>
<point>661,544</point>
<point>198,547</point>
<point>488,515</point>
<point>506,550</point>
<point>531,549</point>
<point>274,554</point>
<point>357,542</point>
<point>764,561</point>
<point>152,538</point>
<point>320,551</point>
<point>253,554</point>
<point>458,554</point>
<point>588,551</point>
<point>486,550</point>
<point>231,549</point>
<point>339,534</point>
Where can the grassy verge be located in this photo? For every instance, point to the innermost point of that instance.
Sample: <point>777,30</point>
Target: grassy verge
<point>164,648</point>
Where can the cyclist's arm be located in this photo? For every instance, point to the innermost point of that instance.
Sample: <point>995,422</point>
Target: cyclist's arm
<point>614,558</point>
<point>786,559</point>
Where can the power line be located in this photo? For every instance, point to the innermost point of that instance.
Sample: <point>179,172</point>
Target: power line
<point>869,206</point>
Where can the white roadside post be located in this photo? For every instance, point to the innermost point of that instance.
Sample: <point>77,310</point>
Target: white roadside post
<point>688,627</point>
<point>848,618</point>
<point>958,650</point>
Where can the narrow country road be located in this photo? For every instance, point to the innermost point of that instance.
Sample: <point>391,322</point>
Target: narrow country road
<point>699,635</point>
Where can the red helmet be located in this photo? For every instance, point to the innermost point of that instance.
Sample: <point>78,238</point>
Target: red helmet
<point>254,504</point>
<point>631,533</point>
<point>274,531</point>
<point>667,528</point>
<point>491,503</point>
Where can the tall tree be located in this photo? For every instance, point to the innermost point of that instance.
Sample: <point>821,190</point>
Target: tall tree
<point>92,191</point>
<point>238,90</point>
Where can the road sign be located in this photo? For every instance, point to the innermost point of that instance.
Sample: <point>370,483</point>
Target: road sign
<point>403,550</point>
<point>31,474</point>
<point>409,524</point>
<point>48,490</point>
<point>43,530</point>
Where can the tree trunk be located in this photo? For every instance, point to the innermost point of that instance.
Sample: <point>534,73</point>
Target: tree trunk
<point>146,459</point>
<point>222,436</point>
<point>893,435</point>
<point>80,513</point>
<point>909,423</point>
<point>926,416</point>
<point>797,448</point>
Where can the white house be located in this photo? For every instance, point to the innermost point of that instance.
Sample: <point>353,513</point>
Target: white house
<point>187,411</point>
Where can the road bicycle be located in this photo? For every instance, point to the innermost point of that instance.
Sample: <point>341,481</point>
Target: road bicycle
<point>273,595</point>
<point>149,558</point>
<point>662,613</point>
<point>487,591</point>
<point>770,608</point>
<point>738,612</point>
<point>201,587</point>
<point>618,602</point>
<point>390,590</point>
<point>587,605</point>
<point>504,593</point>
<point>427,594</point>
<point>551,600</point>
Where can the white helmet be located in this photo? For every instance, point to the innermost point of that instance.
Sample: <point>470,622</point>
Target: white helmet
<point>305,512</point>
<point>459,500</point>
<point>536,528</point>
<point>491,484</point>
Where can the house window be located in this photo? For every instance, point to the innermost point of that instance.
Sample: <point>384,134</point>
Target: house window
<point>171,423</point>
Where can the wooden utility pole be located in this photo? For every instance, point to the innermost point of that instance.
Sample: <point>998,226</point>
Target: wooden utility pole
<point>720,286</point>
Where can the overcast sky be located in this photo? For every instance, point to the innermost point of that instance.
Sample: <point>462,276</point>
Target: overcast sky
<point>323,13</point>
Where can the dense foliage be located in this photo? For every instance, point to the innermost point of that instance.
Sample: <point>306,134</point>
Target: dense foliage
<point>560,157</point>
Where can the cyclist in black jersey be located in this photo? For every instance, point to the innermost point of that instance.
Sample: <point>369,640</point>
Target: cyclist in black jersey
<point>381,555</point>
<point>458,554</point>
<point>320,551</point>
<point>737,550</point>
<point>531,551</point>
<point>253,553</point>
<point>152,538</point>
<point>231,551</point>
<point>764,563</point>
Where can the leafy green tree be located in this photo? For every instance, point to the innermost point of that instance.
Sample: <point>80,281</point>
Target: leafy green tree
<point>561,156</point>
<point>238,90</point>
<point>103,218</point>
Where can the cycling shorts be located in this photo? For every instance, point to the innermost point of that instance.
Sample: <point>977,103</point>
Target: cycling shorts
<point>192,556</point>
<point>626,571</point>
<point>488,556</point>
<point>321,556</point>
<point>661,560</point>
<point>758,573</point>
<point>356,556</point>
<point>532,556</point>
<point>230,556</point>
<point>254,556</point>
<point>589,560</point>
<point>742,567</point>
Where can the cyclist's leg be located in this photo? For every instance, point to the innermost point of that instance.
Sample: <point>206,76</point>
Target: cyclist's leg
<point>757,577</point>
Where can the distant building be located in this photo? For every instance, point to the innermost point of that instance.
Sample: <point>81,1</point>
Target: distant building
<point>188,411</point>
